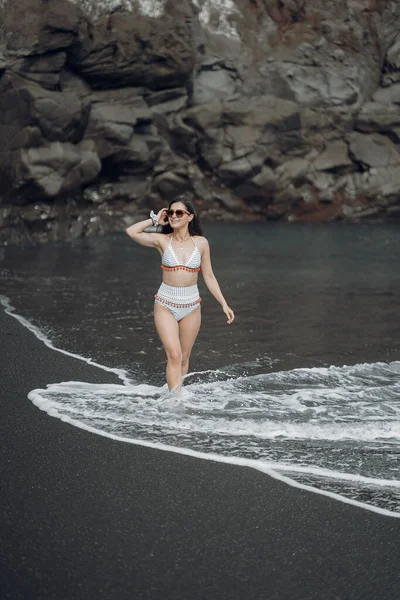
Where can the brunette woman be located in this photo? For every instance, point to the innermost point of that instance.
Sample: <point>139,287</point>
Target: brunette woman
<point>184,252</point>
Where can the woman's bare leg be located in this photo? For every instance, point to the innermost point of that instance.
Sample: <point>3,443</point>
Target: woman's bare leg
<point>168,331</point>
<point>189,327</point>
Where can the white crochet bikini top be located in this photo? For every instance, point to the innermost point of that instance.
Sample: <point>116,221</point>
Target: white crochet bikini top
<point>170,262</point>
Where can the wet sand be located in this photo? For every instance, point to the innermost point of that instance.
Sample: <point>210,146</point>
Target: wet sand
<point>83,516</point>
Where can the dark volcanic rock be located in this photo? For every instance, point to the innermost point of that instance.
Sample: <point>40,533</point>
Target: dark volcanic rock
<point>277,110</point>
<point>40,131</point>
<point>35,27</point>
<point>124,50</point>
<point>44,69</point>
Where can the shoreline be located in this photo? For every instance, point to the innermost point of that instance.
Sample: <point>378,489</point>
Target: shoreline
<point>87,515</point>
<point>238,461</point>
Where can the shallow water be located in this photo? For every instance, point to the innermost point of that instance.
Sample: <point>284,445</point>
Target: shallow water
<point>305,381</point>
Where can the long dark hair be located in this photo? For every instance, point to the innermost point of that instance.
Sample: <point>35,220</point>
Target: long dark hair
<point>194,225</point>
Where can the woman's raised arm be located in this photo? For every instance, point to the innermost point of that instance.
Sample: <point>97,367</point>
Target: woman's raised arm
<point>138,234</point>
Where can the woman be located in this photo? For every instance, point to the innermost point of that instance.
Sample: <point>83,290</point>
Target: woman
<point>184,252</point>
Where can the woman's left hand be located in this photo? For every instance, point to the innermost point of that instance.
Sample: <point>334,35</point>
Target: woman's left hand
<point>229,313</point>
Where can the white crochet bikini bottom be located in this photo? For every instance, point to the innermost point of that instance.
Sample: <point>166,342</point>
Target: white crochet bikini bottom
<point>180,301</point>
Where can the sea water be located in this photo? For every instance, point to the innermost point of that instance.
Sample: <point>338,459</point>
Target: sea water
<point>303,385</point>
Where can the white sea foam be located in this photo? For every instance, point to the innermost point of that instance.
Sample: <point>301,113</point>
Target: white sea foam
<point>120,373</point>
<point>321,429</point>
<point>268,469</point>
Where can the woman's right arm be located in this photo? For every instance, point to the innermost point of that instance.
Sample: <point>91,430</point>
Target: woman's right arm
<point>138,234</point>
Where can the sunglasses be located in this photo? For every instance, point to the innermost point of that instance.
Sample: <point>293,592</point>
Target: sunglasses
<point>178,213</point>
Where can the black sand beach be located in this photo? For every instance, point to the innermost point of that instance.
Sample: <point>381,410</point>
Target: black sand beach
<point>83,516</point>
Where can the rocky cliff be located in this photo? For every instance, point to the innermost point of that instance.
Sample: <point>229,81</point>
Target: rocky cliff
<point>275,109</point>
